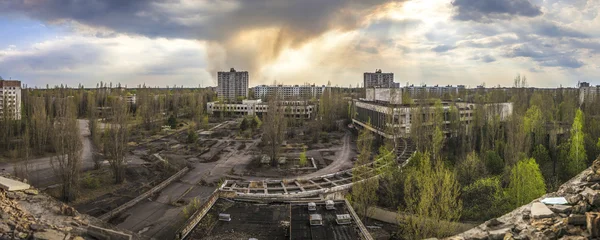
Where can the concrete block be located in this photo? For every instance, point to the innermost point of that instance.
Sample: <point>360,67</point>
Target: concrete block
<point>12,185</point>
<point>539,210</point>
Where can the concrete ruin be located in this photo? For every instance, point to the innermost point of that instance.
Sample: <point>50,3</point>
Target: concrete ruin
<point>549,218</point>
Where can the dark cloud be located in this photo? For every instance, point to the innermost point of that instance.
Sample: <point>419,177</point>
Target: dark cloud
<point>212,20</point>
<point>546,56</point>
<point>550,29</point>
<point>487,10</point>
<point>484,58</point>
<point>65,57</point>
<point>442,48</point>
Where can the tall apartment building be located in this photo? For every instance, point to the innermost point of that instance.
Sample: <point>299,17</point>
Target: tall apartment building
<point>10,97</point>
<point>232,85</point>
<point>289,91</point>
<point>379,79</point>
<point>588,92</point>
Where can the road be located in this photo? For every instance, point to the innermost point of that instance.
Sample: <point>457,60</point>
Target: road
<point>41,173</point>
<point>342,162</point>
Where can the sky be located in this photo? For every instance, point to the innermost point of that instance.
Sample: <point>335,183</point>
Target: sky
<point>186,42</point>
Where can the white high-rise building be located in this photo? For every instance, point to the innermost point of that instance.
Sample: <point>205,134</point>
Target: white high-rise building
<point>379,79</point>
<point>232,85</point>
<point>10,98</point>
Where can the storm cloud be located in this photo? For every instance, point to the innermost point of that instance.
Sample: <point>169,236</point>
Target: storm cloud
<point>487,10</point>
<point>286,23</point>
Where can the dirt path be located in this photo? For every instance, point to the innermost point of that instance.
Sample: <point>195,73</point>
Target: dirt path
<point>342,162</point>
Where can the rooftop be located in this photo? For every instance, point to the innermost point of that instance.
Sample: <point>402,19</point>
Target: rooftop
<point>274,221</point>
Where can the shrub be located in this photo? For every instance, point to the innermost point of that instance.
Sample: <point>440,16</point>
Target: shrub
<point>90,182</point>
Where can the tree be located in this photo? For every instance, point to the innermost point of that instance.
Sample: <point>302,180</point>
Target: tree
<point>115,140</point>
<point>172,121</point>
<point>274,129</point>
<point>577,156</point>
<point>483,198</point>
<point>244,125</point>
<point>303,158</point>
<point>526,183</point>
<point>67,145</point>
<point>493,162</point>
<point>364,189</point>
<point>385,162</point>
<point>431,194</point>
<point>470,169</point>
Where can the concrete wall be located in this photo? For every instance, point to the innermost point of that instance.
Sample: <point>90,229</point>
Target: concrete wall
<point>108,215</point>
<point>389,95</point>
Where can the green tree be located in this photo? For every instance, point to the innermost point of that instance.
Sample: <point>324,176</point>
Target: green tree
<point>431,194</point>
<point>470,169</point>
<point>493,162</point>
<point>483,198</point>
<point>385,161</point>
<point>303,158</point>
<point>364,189</point>
<point>577,156</point>
<point>526,183</point>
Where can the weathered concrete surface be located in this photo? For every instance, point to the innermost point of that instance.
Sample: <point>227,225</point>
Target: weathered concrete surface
<point>538,221</point>
<point>539,210</point>
<point>12,185</point>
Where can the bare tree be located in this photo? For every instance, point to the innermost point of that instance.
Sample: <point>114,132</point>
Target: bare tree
<point>67,145</point>
<point>115,139</point>
<point>274,129</point>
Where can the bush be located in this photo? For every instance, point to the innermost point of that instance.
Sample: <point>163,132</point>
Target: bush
<point>90,182</point>
<point>192,136</point>
<point>494,163</point>
<point>482,199</point>
<point>303,158</point>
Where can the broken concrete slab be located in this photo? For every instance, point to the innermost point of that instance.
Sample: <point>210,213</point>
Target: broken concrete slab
<point>539,210</point>
<point>592,196</point>
<point>499,234</point>
<point>561,208</point>
<point>576,220</point>
<point>12,185</point>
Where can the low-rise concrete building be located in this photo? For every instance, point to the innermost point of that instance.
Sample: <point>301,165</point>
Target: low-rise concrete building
<point>292,109</point>
<point>379,116</point>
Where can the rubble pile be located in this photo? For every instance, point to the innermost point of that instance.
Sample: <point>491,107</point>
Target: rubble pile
<point>29,214</point>
<point>571,213</point>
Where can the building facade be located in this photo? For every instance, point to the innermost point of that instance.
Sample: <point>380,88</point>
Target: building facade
<point>289,91</point>
<point>232,85</point>
<point>379,79</point>
<point>293,109</point>
<point>588,92</point>
<point>379,116</point>
<point>10,98</point>
<point>432,91</point>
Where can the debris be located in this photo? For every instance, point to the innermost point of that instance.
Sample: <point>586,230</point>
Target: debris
<point>539,210</point>
<point>12,185</point>
<point>561,208</point>
<point>555,201</point>
<point>593,223</point>
<point>576,219</point>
